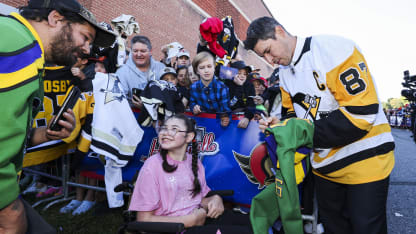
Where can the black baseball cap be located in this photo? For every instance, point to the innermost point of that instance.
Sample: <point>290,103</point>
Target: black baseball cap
<point>241,65</point>
<point>103,37</point>
<point>168,70</point>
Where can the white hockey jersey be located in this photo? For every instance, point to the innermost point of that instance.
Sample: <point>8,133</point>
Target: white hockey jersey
<point>115,131</point>
<point>328,82</point>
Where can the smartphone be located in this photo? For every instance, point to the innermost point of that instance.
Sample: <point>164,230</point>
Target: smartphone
<point>228,73</point>
<point>69,103</point>
<point>255,97</point>
<point>136,92</point>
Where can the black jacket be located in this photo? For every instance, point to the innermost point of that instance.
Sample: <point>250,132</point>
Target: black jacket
<point>241,97</point>
<point>271,94</point>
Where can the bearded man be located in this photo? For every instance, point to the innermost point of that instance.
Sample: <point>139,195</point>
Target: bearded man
<point>51,31</point>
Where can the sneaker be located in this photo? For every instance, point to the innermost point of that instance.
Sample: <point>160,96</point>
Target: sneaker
<point>59,192</point>
<point>31,189</point>
<point>50,191</point>
<point>84,207</point>
<point>70,207</point>
<point>41,191</point>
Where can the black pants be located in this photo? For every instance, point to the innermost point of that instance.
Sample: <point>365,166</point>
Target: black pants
<point>352,208</point>
<point>35,222</point>
<point>228,223</point>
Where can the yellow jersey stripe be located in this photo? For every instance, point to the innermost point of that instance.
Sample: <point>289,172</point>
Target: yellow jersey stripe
<point>365,171</point>
<point>363,122</point>
<point>375,130</point>
<point>8,80</point>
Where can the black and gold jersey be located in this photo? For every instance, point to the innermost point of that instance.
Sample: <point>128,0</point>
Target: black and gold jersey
<point>329,82</point>
<point>57,84</point>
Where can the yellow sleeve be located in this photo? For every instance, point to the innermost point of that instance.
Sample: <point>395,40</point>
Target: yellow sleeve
<point>83,108</point>
<point>353,88</point>
<point>287,105</point>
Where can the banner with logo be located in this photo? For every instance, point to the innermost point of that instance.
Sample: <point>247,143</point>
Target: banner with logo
<point>225,154</point>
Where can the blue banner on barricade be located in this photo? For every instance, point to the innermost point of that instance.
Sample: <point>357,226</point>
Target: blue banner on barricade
<point>217,146</point>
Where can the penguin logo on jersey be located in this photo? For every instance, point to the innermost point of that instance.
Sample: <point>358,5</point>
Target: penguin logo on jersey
<point>309,103</point>
<point>113,91</point>
<point>227,35</point>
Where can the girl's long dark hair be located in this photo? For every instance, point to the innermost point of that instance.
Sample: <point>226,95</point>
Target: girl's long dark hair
<point>187,79</point>
<point>190,127</point>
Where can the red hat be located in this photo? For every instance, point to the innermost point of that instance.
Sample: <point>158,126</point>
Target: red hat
<point>100,59</point>
<point>209,29</point>
<point>256,76</point>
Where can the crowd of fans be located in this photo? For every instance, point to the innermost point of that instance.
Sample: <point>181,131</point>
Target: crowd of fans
<point>402,117</point>
<point>353,149</point>
<point>196,85</point>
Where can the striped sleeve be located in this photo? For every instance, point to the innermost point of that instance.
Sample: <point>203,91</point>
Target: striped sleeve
<point>20,98</point>
<point>20,56</point>
<point>287,105</point>
<point>353,88</point>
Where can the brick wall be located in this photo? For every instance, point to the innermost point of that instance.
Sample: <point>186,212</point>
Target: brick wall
<point>252,8</point>
<point>167,21</point>
<point>222,8</point>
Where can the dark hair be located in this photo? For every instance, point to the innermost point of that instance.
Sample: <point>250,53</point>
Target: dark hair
<point>188,80</point>
<point>141,39</point>
<point>262,28</point>
<point>190,127</point>
<point>43,13</point>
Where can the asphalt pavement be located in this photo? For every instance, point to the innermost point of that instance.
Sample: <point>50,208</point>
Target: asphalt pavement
<point>401,201</point>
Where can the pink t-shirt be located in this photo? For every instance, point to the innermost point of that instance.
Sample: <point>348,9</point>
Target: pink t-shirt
<point>168,194</point>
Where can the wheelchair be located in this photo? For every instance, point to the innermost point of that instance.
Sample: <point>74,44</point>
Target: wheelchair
<point>132,226</point>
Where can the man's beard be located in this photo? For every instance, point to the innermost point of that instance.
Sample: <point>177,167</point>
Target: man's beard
<point>63,49</point>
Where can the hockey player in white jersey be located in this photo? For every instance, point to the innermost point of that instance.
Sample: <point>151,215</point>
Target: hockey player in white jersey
<point>326,79</point>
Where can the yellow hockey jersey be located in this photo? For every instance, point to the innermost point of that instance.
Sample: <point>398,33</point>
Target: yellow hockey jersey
<point>328,82</point>
<point>57,84</point>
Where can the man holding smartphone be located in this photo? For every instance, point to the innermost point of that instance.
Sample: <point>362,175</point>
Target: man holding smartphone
<point>51,31</point>
<point>139,69</point>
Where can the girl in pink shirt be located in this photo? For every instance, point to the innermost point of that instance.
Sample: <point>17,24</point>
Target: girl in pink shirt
<point>171,185</point>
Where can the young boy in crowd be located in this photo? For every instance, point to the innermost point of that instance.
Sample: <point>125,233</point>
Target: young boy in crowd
<point>85,70</point>
<point>241,93</point>
<point>72,75</point>
<point>169,75</point>
<point>209,94</point>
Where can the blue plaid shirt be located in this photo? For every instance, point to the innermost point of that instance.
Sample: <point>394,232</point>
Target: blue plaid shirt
<point>212,99</point>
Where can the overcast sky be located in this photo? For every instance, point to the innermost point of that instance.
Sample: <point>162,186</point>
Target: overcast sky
<point>385,30</point>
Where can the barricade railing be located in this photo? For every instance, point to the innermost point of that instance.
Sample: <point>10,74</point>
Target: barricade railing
<point>219,148</point>
<point>65,180</point>
<point>399,120</point>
